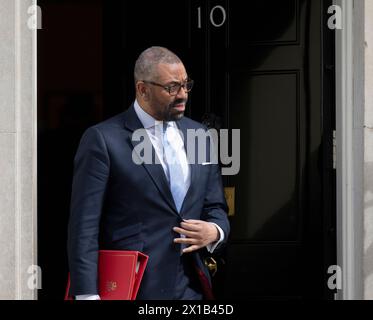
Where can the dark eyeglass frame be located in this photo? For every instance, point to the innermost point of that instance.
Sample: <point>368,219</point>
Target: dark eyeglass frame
<point>170,87</point>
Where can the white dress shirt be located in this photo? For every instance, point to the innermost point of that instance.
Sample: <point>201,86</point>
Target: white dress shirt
<point>154,129</point>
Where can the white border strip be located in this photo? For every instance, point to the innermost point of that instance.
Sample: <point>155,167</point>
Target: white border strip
<point>34,147</point>
<point>18,183</point>
<point>350,149</point>
<point>25,237</point>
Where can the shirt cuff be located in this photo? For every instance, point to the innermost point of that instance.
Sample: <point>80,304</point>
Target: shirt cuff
<point>87,297</point>
<point>212,246</point>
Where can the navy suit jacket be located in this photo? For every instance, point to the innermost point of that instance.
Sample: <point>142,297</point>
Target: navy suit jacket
<point>117,204</point>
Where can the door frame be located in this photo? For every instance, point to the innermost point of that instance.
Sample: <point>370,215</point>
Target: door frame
<point>350,148</point>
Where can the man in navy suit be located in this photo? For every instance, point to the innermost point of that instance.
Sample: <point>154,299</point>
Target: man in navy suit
<point>171,209</point>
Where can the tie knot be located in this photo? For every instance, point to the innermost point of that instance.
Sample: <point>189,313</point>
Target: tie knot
<point>169,132</point>
<point>165,126</point>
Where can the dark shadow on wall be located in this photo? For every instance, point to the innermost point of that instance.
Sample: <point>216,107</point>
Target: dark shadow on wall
<point>69,100</point>
<point>57,147</point>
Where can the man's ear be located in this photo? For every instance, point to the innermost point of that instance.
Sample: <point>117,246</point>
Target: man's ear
<point>142,90</point>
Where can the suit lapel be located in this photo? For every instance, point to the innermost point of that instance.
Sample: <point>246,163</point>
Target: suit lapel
<point>155,170</point>
<point>194,168</point>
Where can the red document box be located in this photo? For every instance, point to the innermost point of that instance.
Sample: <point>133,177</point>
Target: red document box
<point>119,274</point>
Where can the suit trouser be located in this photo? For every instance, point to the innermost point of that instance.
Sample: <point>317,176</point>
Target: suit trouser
<point>187,282</point>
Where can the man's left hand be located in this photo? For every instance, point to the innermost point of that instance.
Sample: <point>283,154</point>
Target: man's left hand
<point>198,234</point>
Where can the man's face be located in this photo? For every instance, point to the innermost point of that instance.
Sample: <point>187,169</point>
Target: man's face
<point>164,106</point>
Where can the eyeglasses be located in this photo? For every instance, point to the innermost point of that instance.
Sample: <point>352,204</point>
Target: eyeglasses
<point>174,89</point>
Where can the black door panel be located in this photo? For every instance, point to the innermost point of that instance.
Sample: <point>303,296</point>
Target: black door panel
<point>257,68</point>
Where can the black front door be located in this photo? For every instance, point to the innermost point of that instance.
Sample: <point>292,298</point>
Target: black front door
<point>260,69</point>
<point>265,68</point>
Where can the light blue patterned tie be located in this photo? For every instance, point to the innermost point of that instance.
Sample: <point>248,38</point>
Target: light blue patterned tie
<point>175,170</point>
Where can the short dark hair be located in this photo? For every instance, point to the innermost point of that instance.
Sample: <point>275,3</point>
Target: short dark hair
<point>149,59</point>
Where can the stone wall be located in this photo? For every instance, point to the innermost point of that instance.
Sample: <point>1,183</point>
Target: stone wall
<point>17,150</point>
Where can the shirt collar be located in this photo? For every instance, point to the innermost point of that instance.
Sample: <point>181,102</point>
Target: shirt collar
<point>146,119</point>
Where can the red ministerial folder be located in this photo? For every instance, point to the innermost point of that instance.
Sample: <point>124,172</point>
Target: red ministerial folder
<point>119,274</point>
